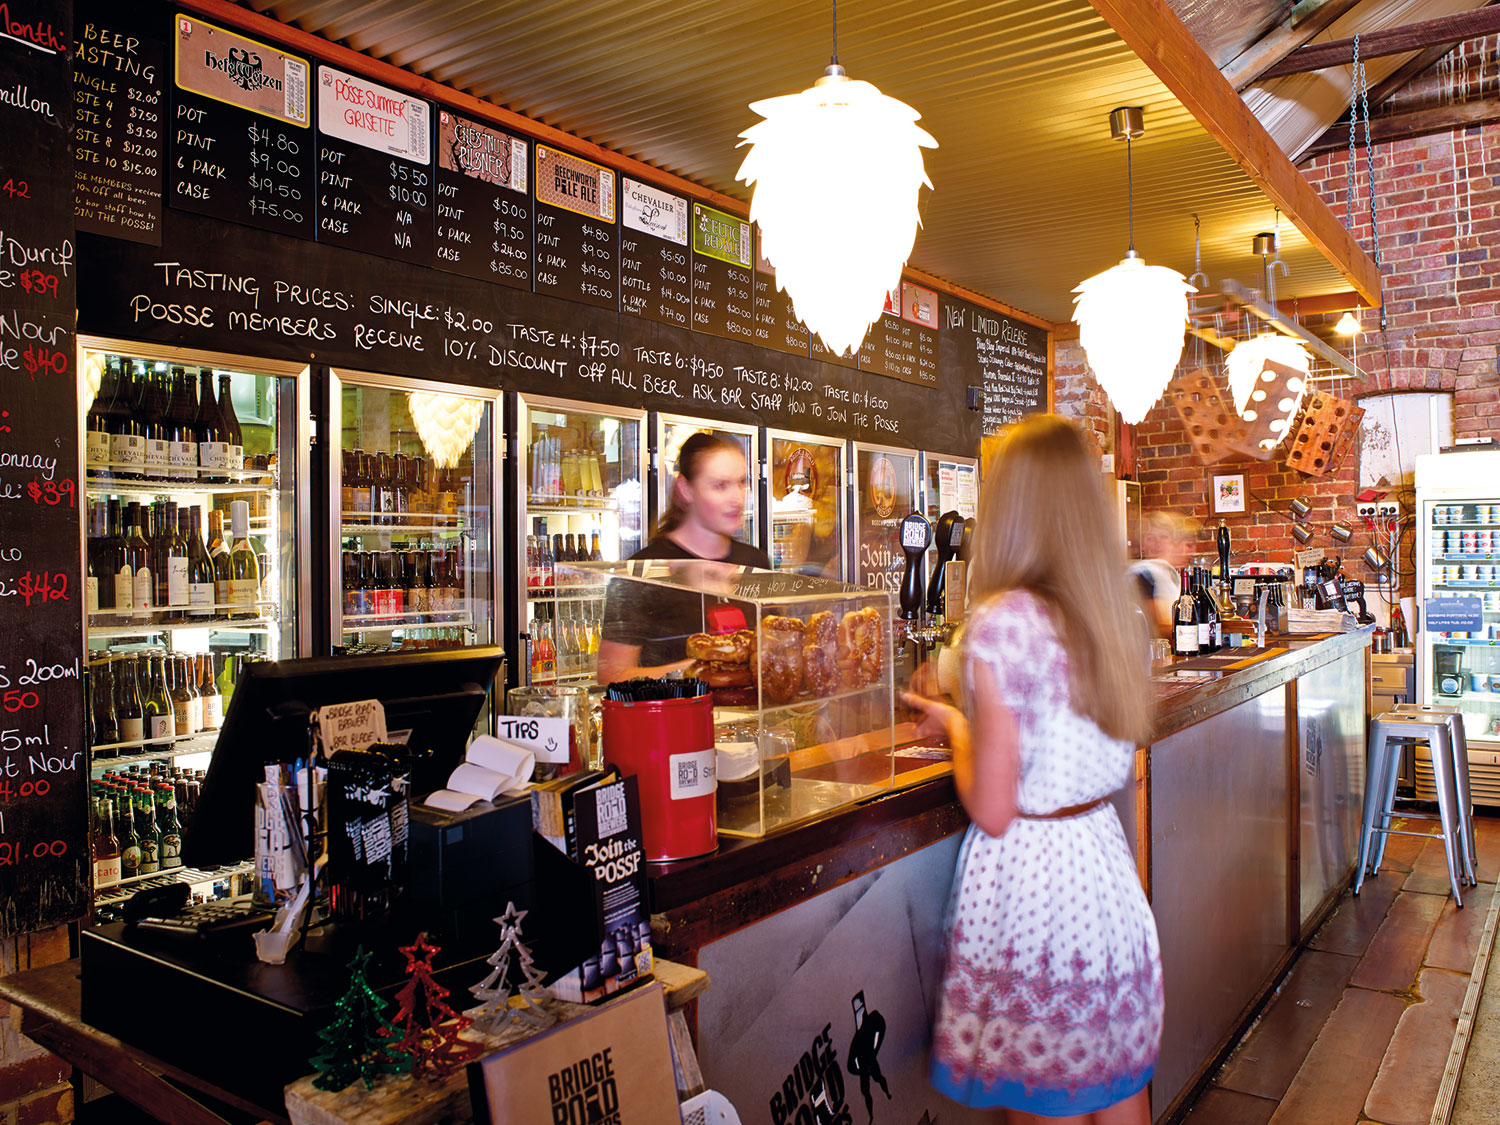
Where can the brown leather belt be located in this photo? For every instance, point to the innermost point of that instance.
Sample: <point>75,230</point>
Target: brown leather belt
<point>1065,813</point>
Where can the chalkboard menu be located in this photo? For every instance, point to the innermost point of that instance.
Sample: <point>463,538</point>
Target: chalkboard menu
<point>723,285</point>
<point>483,205</point>
<point>776,323</point>
<point>44,844</point>
<point>577,239</point>
<point>655,258</point>
<point>1007,357</point>
<point>903,342</point>
<point>241,148</point>
<point>374,168</point>
<point>822,352</point>
<point>120,115</point>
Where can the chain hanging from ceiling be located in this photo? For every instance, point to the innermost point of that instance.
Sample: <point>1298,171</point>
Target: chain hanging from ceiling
<point>1359,113</point>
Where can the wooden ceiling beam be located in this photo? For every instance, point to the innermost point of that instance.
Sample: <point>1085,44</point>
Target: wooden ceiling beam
<point>1445,30</point>
<point>1417,123</point>
<point>1398,78</point>
<point>1281,41</point>
<point>1152,30</point>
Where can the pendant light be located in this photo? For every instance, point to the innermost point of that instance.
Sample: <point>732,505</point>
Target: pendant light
<point>836,172</point>
<point>1244,367</point>
<point>93,378</point>
<point>1132,318</point>
<point>445,423</point>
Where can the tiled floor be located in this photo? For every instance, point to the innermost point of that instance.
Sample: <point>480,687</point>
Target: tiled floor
<point>1361,1027</point>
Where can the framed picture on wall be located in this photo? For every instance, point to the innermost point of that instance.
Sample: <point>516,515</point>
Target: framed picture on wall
<point>1229,494</point>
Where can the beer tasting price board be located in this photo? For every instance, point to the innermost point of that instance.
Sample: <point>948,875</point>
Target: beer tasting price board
<point>120,118</point>
<point>374,168</point>
<point>903,343</point>
<point>577,239</point>
<point>483,202</point>
<point>776,323</point>
<point>44,843</point>
<point>723,286</point>
<point>241,143</point>
<point>1008,356</point>
<point>824,354</point>
<point>655,257</point>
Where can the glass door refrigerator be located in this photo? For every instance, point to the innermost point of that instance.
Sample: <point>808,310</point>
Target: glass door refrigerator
<point>1458,585</point>
<point>413,483</point>
<point>671,430</point>
<point>196,515</point>
<point>580,488</point>
<point>949,484</point>
<point>885,493</point>
<point>807,499</point>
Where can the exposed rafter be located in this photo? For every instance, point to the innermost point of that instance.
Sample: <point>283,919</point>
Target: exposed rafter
<point>1445,30</point>
<point>1281,41</point>
<point>1417,123</point>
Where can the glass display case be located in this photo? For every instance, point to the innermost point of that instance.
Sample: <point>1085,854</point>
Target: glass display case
<point>885,492</point>
<point>581,498</point>
<point>672,430</point>
<point>807,503</point>
<point>412,492</point>
<point>800,668</point>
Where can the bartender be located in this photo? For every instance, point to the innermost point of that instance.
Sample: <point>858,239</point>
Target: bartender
<point>645,634</point>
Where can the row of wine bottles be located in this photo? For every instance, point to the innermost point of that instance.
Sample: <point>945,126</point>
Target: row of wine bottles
<point>1197,625</point>
<point>392,488</point>
<point>152,559</point>
<point>404,582</point>
<point>146,699</point>
<point>543,555</point>
<point>148,424</point>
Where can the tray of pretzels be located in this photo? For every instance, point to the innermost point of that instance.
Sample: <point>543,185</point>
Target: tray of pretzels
<point>790,659</point>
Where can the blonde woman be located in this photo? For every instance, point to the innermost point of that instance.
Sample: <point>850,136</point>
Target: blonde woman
<point>1051,1001</point>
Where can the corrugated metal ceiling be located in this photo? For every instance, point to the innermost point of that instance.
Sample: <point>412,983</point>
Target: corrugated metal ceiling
<point>1030,191</point>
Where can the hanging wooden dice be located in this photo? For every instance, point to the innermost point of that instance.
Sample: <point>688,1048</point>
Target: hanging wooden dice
<point>1214,430</point>
<point>1323,434</point>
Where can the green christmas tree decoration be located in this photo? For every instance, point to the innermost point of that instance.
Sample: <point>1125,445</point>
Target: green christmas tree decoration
<point>427,1023</point>
<point>357,1044</point>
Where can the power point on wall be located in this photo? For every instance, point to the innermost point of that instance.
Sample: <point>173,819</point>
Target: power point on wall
<point>1365,510</point>
<point>1387,508</point>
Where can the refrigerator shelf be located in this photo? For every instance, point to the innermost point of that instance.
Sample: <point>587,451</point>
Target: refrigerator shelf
<point>1466,523</point>
<point>151,628</point>
<point>562,505</point>
<point>1451,640</point>
<point>1461,584</point>
<point>112,894</point>
<point>180,747</point>
<point>362,622</point>
<point>400,528</point>
<point>1461,557</point>
<point>250,481</point>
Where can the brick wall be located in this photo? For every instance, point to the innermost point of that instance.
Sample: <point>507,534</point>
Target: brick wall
<point>34,1087</point>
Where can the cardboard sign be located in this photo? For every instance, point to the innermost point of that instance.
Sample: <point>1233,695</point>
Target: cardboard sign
<point>241,72</point>
<point>366,113</point>
<point>546,736</point>
<point>612,1066</point>
<point>351,726</point>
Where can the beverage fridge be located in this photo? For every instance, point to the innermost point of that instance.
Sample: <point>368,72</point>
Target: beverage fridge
<point>949,484</point>
<point>885,492</point>
<point>1458,587</point>
<point>671,430</point>
<point>196,512</point>
<point>807,500</point>
<point>578,477</point>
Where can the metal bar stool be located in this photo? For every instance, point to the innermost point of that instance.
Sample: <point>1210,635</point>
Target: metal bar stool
<point>1388,733</point>
<point>1454,717</point>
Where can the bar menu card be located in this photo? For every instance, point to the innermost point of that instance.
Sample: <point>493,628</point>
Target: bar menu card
<point>655,271</point>
<point>241,147</point>
<point>483,205</point>
<point>723,285</point>
<point>776,323</point>
<point>577,239</point>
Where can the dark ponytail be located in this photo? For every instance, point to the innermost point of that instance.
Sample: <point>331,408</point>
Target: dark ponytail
<point>689,460</point>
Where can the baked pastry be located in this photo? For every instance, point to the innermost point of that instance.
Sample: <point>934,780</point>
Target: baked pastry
<point>861,648</point>
<point>734,696</point>
<point>727,648</point>
<point>781,658</point>
<point>822,631</point>
<point>820,673</point>
<point>723,674</point>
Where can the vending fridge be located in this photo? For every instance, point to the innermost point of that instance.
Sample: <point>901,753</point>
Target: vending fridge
<point>196,508</point>
<point>807,502</point>
<point>949,484</point>
<point>413,484</point>
<point>671,430</point>
<point>885,492</point>
<point>1458,587</point>
<point>579,482</point>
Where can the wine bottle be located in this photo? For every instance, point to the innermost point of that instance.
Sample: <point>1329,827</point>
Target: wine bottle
<point>96,573</point>
<point>213,447</point>
<point>244,569</point>
<point>178,589</point>
<point>187,707</point>
<point>348,458</point>
<point>97,425</point>
<point>156,704</point>
<point>232,432</point>
<point>182,427</point>
<point>200,567</point>
<point>102,696</point>
<point>1215,618</point>
<point>127,440</point>
<point>154,414</point>
<point>106,845</point>
<point>128,713</point>
<point>137,568</point>
<point>208,689</point>
<point>1185,619</point>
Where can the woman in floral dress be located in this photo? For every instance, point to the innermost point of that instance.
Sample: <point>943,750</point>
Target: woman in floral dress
<point>1051,1001</point>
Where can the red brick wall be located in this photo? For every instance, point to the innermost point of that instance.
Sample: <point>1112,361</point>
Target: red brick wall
<point>34,1087</point>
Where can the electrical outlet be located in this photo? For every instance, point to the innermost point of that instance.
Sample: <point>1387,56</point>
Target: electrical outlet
<point>1387,508</point>
<point>1365,511</point>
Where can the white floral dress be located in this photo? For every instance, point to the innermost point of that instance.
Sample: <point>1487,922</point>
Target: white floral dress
<point>1051,999</point>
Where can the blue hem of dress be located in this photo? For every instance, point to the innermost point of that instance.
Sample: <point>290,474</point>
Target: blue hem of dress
<point>1040,1100</point>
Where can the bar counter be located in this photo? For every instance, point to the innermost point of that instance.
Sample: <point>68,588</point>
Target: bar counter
<point>1244,816</point>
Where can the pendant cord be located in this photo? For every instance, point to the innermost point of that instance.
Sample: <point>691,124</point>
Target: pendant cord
<point>835,59</point>
<point>1130,192</point>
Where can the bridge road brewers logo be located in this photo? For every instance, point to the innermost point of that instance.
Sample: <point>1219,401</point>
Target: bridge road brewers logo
<point>242,72</point>
<point>883,487</point>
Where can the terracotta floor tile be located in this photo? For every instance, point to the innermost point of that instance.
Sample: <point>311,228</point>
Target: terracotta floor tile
<point>1397,950</point>
<point>1456,939</point>
<point>1333,1083</point>
<point>1229,1107</point>
<point>1407,1085</point>
<point>1401,851</point>
<point>1488,841</point>
<point>1268,1058</point>
<point>1355,921</point>
<point>1429,875</point>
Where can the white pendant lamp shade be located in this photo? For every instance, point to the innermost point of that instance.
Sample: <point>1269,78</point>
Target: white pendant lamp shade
<point>1132,321</point>
<point>445,423</point>
<point>836,171</point>
<point>1244,367</point>
<point>93,378</point>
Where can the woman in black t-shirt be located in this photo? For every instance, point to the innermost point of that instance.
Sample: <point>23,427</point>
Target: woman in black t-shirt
<point>646,634</point>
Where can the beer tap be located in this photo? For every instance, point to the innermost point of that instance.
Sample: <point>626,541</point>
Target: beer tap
<point>948,535</point>
<point>916,537</point>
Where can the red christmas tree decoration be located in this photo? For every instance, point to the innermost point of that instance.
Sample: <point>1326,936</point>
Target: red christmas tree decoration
<point>428,1025</point>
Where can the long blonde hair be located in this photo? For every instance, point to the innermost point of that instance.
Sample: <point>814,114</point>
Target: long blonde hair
<point>1044,525</point>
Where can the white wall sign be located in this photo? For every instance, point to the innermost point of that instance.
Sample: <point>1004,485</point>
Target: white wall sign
<point>355,109</point>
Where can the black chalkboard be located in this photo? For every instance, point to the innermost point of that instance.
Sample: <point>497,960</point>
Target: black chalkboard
<point>776,323</point>
<point>655,254</point>
<point>375,176</point>
<point>577,237</point>
<point>241,143</point>
<point>821,351</point>
<point>723,286</point>
<point>483,201</point>
<point>1004,356</point>
<point>44,844</point>
<point>120,118</point>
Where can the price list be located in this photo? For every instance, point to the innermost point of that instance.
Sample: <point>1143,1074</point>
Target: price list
<point>655,258</point>
<point>577,241</point>
<point>44,850</point>
<point>483,203</point>
<point>723,275</point>
<point>919,308</point>
<point>901,344</point>
<point>375,175</point>
<point>120,117</point>
<point>240,144</point>
<point>776,323</point>
<point>823,352</point>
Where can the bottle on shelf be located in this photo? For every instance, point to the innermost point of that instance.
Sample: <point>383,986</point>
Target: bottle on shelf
<point>548,576</point>
<point>244,568</point>
<point>543,651</point>
<point>169,825</point>
<point>100,422</point>
<point>400,487</point>
<point>213,446</point>
<point>558,581</point>
<point>531,567</point>
<point>208,692</point>
<point>95,575</point>
<point>137,568</point>
<point>348,458</point>
<point>156,704</point>
<point>200,566</point>
<point>595,555</point>
<point>1208,612</point>
<point>1185,619</point>
<point>182,430</point>
<point>148,832</point>
<point>106,844</point>
<point>102,702</point>
<point>382,499</point>
<point>235,454</point>
<point>129,714</point>
<point>175,557</point>
<point>154,415</point>
<point>186,718</point>
<point>127,438</point>
<point>451,588</point>
<point>130,838</point>
<point>112,560</point>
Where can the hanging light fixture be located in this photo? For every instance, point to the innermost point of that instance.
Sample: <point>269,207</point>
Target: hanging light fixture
<point>1245,367</point>
<point>93,378</point>
<point>445,423</point>
<point>1132,318</point>
<point>1348,325</point>
<point>836,171</point>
